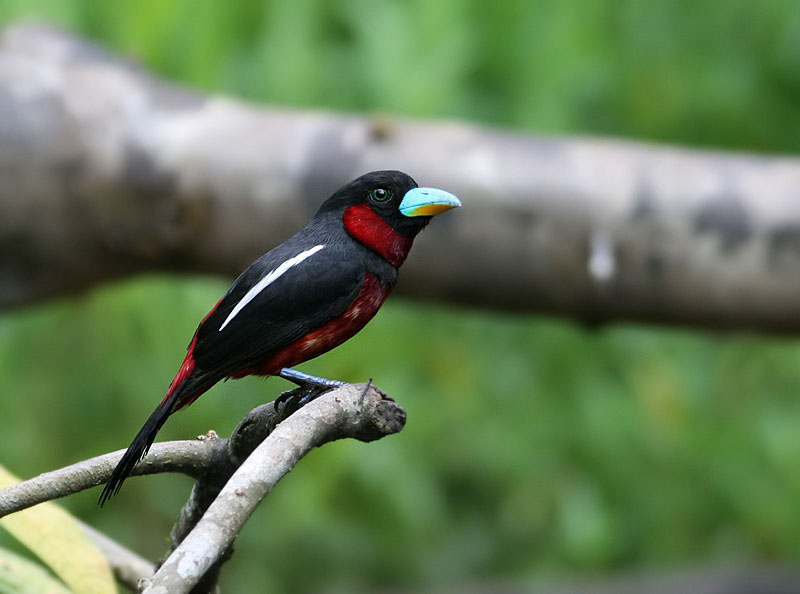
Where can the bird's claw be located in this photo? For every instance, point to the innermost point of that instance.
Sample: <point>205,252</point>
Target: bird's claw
<point>294,400</point>
<point>309,388</point>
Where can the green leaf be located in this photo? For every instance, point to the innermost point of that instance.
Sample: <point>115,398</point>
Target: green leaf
<point>59,541</point>
<point>21,576</point>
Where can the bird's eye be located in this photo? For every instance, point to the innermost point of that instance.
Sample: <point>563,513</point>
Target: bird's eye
<point>380,195</point>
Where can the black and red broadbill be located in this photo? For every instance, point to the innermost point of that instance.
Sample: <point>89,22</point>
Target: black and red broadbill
<point>303,298</point>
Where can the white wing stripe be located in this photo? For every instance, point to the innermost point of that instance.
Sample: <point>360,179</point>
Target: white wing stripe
<point>268,280</point>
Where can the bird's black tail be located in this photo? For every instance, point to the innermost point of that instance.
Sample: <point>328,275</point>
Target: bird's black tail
<point>139,446</point>
<point>194,384</point>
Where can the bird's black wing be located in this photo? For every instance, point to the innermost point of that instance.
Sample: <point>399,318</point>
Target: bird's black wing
<point>302,298</point>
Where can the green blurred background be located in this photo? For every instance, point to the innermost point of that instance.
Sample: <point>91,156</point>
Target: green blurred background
<point>536,449</point>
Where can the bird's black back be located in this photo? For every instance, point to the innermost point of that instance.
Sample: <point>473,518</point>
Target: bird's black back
<point>302,299</point>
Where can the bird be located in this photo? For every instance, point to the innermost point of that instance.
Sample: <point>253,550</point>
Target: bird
<point>302,298</point>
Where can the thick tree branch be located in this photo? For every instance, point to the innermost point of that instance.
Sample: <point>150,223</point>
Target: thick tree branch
<point>106,171</point>
<point>351,411</point>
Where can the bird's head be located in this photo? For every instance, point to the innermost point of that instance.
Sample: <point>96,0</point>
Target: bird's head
<point>385,210</point>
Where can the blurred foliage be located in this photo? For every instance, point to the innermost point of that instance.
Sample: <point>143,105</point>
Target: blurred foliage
<point>535,448</point>
<point>59,541</point>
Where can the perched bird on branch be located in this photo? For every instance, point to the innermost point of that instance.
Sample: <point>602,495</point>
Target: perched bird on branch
<point>301,299</point>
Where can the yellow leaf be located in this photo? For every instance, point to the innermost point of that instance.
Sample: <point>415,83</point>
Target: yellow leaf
<point>22,576</point>
<point>59,541</point>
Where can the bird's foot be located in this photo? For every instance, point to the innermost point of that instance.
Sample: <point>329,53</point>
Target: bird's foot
<point>309,388</point>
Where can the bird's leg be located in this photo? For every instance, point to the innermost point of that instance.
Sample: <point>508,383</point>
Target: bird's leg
<point>304,379</point>
<point>309,387</point>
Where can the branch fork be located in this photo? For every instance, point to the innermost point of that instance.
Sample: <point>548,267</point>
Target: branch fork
<point>233,475</point>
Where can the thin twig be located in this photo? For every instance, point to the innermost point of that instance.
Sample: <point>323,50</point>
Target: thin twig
<point>364,393</point>
<point>187,457</point>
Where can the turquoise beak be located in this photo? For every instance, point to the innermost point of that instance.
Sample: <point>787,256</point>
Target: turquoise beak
<point>427,202</point>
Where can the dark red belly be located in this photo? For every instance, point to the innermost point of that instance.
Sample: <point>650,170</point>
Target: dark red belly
<point>372,295</point>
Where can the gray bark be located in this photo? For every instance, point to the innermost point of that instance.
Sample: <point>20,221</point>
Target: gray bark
<point>105,171</point>
<point>128,567</point>
<point>351,411</point>
<point>233,476</point>
<point>193,458</point>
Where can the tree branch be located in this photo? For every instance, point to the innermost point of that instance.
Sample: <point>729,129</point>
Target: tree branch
<point>187,457</point>
<point>106,171</point>
<point>353,411</point>
<point>285,434</point>
<point>209,459</point>
<point>128,567</point>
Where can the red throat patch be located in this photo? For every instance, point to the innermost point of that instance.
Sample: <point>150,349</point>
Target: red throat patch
<point>369,228</point>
